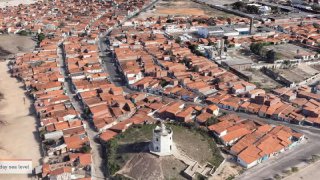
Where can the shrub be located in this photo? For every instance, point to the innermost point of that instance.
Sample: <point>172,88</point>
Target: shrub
<point>294,169</point>
<point>41,37</point>
<point>23,33</point>
<point>85,148</point>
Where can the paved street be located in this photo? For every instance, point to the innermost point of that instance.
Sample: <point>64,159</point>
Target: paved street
<point>97,161</point>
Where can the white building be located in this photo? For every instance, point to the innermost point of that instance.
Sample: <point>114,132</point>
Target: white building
<point>162,141</point>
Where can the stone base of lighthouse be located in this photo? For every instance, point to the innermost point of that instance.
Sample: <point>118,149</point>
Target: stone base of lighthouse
<point>160,154</point>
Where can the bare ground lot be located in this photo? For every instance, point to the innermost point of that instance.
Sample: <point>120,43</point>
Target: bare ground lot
<point>299,73</point>
<point>263,81</point>
<point>183,8</point>
<point>15,44</point>
<point>19,139</point>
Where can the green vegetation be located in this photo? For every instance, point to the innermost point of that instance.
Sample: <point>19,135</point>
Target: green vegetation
<point>120,177</point>
<point>277,177</point>
<point>178,40</point>
<point>37,64</point>
<point>216,158</point>
<point>287,172</point>
<point>135,134</point>
<point>112,166</point>
<point>241,6</point>
<point>256,48</point>
<point>23,33</point>
<point>252,9</point>
<point>316,25</point>
<point>230,177</point>
<point>294,169</point>
<point>42,132</point>
<point>61,25</point>
<point>85,148</point>
<point>163,83</point>
<point>41,37</point>
<point>314,158</point>
<point>200,177</point>
<point>315,7</point>
<point>275,9</point>
<point>270,55</point>
<point>212,120</point>
<point>238,5</point>
<point>194,49</point>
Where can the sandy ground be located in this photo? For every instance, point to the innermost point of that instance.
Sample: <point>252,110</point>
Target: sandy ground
<point>4,3</point>
<point>16,43</point>
<point>309,173</point>
<point>18,135</point>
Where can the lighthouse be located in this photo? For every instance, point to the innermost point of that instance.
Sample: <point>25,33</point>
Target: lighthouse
<point>161,144</point>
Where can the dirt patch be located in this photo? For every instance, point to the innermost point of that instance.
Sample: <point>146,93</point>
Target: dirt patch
<point>172,168</point>
<point>196,145</point>
<point>229,170</point>
<point>143,166</point>
<point>12,44</point>
<point>183,8</point>
<point>4,52</point>
<point>182,11</point>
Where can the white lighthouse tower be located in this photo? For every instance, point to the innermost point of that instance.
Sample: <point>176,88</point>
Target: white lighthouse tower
<point>162,141</point>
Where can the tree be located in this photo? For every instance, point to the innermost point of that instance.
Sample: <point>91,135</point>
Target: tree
<point>41,37</point>
<point>178,40</point>
<point>212,120</point>
<point>61,24</point>
<point>238,5</point>
<point>315,7</point>
<point>256,48</point>
<point>316,25</point>
<point>271,56</point>
<point>193,47</point>
<point>294,169</point>
<point>252,9</point>
<point>23,33</point>
<point>85,148</point>
<point>275,9</point>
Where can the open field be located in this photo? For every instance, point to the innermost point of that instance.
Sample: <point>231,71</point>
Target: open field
<point>182,8</point>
